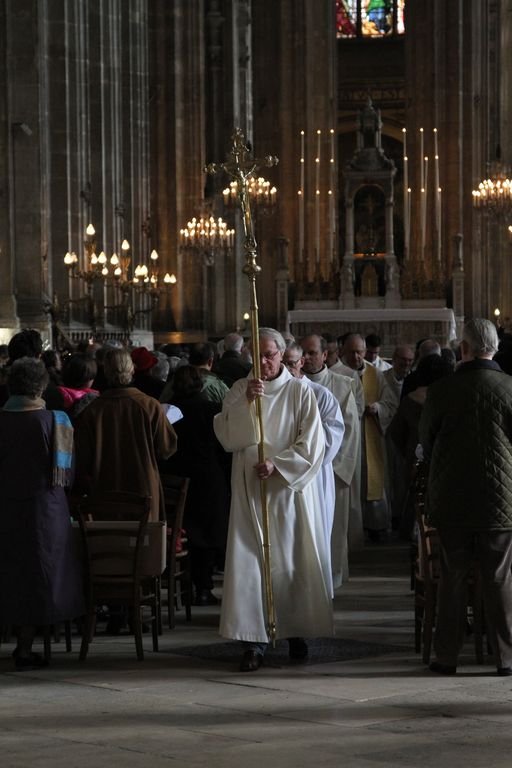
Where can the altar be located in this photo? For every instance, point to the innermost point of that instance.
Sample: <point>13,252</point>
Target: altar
<point>402,298</point>
<point>394,325</point>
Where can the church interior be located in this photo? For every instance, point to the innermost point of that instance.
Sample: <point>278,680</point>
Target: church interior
<point>379,134</point>
<point>384,117</point>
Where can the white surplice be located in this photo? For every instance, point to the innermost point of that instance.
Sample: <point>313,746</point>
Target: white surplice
<point>294,442</point>
<point>334,428</point>
<point>347,511</point>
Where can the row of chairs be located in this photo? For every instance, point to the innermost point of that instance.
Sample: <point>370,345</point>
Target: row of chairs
<point>129,561</point>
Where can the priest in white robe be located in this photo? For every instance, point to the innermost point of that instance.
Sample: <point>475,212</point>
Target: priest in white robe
<point>294,450</point>
<point>347,527</point>
<point>334,428</point>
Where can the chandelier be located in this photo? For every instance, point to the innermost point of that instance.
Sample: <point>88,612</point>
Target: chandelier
<point>494,194</point>
<point>117,268</point>
<point>258,188</point>
<point>206,237</point>
<point>119,283</point>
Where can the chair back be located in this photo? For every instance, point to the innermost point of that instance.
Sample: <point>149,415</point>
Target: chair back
<point>113,528</point>
<point>175,496</point>
<point>428,552</point>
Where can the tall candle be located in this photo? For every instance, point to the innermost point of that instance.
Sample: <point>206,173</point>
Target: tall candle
<point>331,199</point>
<point>424,196</point>
<point>408,232</point>
<point>406,196</point>
<point>439,225</point>
<point>422,178</point>
<point>301,197</point>
<point>317,195</point>
<point>438,195</point>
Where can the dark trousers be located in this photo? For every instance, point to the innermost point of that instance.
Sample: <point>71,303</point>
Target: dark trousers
<point>458,550</point>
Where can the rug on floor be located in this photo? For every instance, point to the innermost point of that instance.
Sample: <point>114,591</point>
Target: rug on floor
<point>321,651</point>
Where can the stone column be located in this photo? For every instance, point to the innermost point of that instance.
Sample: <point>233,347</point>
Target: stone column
<point>26,250</point>
<point>178,147</point>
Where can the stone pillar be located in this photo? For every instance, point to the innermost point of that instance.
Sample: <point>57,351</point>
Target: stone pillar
<point>25,251</point>
<point>178,147</point>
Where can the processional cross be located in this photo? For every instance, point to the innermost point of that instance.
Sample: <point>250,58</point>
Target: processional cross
<point>239,165</point>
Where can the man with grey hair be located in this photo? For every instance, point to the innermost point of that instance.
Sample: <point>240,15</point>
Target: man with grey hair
<point>294,451</point>
<point>231,366</point>
<point>466,434</point>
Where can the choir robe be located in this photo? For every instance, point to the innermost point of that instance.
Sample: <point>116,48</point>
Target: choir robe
<point>294,442</point>
<point>347,511</point>
<point>334,429</point>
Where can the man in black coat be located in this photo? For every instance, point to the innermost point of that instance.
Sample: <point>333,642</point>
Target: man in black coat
<point>231,365</point>
<point>466,434</point>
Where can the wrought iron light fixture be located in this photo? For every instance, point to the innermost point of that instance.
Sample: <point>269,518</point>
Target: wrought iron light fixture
<point>206,237</point>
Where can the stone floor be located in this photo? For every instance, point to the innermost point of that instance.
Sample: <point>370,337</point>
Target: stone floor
<point>176,710</point>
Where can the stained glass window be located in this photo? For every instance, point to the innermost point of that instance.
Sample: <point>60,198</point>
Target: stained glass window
<point>370,18</point>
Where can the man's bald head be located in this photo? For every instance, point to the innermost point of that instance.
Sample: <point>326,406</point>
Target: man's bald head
<point>354,350</point>
<point>315,353</point>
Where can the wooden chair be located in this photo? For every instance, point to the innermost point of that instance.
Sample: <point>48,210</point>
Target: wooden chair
<point>427,579</point>
<point>123,560</point>
<point>178,575</point>
<point>48,632</point>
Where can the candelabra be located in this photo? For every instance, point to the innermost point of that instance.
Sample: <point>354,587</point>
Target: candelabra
<point>115,273</point>
<point>494,194</point>
<point>260,191</point>
<point>206,237</point>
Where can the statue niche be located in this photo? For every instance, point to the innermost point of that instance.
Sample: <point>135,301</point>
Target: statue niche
<point>369,242</point>
<point>369,249</point>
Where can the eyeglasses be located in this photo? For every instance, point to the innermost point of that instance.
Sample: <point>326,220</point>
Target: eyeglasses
<point>292,363</point>
<point>269,356</point>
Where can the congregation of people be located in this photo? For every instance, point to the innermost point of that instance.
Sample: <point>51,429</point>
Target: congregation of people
<point>344,428</point>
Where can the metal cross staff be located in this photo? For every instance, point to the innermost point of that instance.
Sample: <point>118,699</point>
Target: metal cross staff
<point>240,166</point>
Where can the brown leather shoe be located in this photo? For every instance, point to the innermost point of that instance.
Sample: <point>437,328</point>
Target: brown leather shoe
<point>251,661</point>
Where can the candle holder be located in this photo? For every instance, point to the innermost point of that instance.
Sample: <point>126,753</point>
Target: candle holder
<point>261,193</point>
<point>206,237</point>
<point>117,279</point>
<point>494,194</point>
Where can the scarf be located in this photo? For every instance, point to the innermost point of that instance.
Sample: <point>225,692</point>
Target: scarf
<point>23,403</point>
<point>62,449</point>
